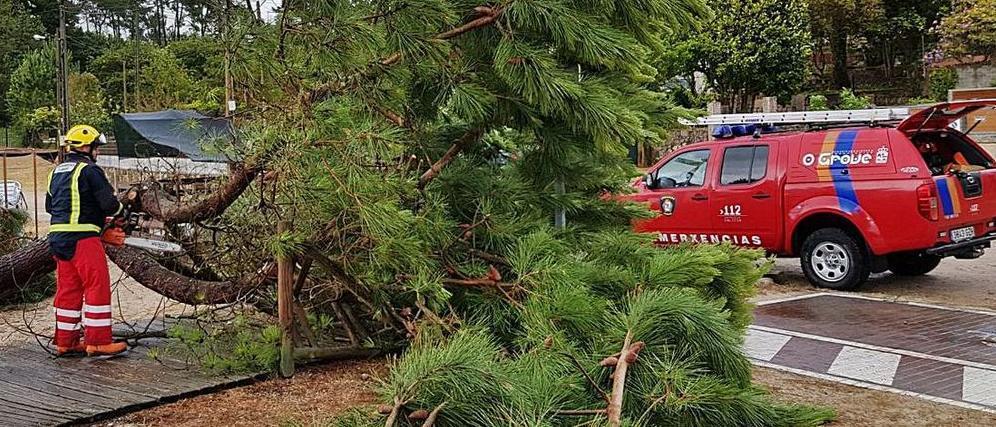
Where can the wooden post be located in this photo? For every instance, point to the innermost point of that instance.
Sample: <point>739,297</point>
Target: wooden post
<point>285,307</point>
<point>34,167</point>
<point>6,202</point>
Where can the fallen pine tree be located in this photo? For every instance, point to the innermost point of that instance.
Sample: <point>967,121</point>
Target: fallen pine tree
<point>420,150</point>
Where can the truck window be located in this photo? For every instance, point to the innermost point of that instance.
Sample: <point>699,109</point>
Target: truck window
<point>948,151</point>
<point>744,165</point>
<point>685,170</point>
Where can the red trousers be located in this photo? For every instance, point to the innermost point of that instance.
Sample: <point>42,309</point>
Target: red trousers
<point>83,296</point>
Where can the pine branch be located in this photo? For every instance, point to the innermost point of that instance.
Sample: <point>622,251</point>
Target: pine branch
<point>486,16</point>
<point>429,422</point>
<point>461,144</point>
<point>479,283</point>
<point>627,356</point>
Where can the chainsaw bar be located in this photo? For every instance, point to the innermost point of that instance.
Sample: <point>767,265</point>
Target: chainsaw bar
<point>153,245</point>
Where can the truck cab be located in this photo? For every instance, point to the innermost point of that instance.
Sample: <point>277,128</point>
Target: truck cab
<point>847,201</point>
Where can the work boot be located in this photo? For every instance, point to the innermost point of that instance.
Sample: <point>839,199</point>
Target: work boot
<point>106,349</point>
<point>78,349</point>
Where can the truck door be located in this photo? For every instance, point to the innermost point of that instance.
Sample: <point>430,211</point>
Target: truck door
<point>679,192</point>
<point>745,204</point>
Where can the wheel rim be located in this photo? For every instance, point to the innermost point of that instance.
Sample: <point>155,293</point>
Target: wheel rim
<point>830,262</point>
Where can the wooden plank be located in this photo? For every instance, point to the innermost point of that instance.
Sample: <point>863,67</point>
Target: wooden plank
<point>13,418</point>
<point>107,374</point>
<point>35,412</point>
<point>43,389</point>
<point>70,368</point>
<point>38,389</point>
<point>49,402</point>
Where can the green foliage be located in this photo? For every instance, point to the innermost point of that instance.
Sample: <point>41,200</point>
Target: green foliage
<point>240,347</point>
<point>748,49</point>
<point>153,76</point>
<point>851,101</point>
<point>87,101</point>
<point>942,80</point>
<point>818,103</point>
<point>970,29</point>
<point>691,371</point>
<point>16,30</point>
<point>32,85</point>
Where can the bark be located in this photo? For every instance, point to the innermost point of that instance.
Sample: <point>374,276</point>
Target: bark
<point>465,141</point>
<point>23,266</point>
<point>614,410</point>
<point>147,271</point>
<point>156,203</point>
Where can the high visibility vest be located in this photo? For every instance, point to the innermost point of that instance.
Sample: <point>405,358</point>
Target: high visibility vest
<point>78,194</point>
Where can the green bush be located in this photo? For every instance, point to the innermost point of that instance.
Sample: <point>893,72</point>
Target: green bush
<point>851,101</point>
<point>941,81</point>
<point>818,103</point>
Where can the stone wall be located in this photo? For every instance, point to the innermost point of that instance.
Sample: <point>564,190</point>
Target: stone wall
<point>976,76</point>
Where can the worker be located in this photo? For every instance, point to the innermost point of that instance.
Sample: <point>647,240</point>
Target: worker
<point>80,200</point>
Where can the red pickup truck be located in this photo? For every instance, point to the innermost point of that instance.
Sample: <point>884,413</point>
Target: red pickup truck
<point>847,201</point>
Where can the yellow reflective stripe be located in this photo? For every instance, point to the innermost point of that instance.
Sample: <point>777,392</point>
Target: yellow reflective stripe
<point>49,185</point>
<point>74,228</point>
<point>74,214</point>
<point>120,208</point>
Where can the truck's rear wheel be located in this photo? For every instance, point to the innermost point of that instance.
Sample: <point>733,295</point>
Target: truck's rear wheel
<point>912,263</point>
<point>832,258</point>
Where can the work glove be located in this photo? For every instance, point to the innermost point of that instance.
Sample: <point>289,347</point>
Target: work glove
<point>114,236</point>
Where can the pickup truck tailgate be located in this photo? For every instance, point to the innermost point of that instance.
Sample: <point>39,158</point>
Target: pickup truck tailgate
<point>967,204</point>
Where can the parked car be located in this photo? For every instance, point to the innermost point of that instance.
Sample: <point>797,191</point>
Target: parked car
<point>847,201</point>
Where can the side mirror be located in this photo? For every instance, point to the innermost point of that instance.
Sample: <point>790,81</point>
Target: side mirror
<point>666,182</point>
<point>648,180</point>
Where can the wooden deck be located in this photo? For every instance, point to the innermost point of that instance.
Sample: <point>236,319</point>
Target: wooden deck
<point>39,390</point>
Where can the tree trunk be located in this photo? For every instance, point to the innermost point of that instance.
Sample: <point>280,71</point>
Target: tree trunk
<point>23,266</point>
<point>156,203</point>
<point>147,271</point>
<point>838,45</point>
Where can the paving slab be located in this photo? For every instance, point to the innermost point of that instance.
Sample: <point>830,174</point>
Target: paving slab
<point>938,353</point>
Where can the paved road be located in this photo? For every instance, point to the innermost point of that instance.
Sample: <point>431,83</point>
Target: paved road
<point>968,283</point>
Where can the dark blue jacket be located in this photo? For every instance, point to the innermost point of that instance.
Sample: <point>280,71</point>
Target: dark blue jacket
<point>79,199</point>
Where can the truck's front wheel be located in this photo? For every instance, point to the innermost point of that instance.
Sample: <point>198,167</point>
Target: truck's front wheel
<point>912,263</point>
<point>832,258</point>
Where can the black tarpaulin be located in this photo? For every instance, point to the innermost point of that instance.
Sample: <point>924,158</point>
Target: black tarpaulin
<point>173,133</point>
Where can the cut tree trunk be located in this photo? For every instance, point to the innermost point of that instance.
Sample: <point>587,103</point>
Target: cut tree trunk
<point>24,266</point>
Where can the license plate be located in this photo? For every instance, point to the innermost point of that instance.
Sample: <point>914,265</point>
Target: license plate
<point>962,234</point>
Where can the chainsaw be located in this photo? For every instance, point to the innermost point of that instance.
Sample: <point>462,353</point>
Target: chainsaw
<point>134,223</point>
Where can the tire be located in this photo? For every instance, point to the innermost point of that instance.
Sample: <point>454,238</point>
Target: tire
<point>912,263</point>
<point>833,259</point>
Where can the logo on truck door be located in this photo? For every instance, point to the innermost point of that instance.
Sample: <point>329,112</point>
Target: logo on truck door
<point>667,205</point>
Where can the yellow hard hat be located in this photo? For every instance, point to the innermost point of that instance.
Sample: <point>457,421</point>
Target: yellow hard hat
<point>83,135</point>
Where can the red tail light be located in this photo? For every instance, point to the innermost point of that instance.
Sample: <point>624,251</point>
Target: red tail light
<point>927,203</point>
